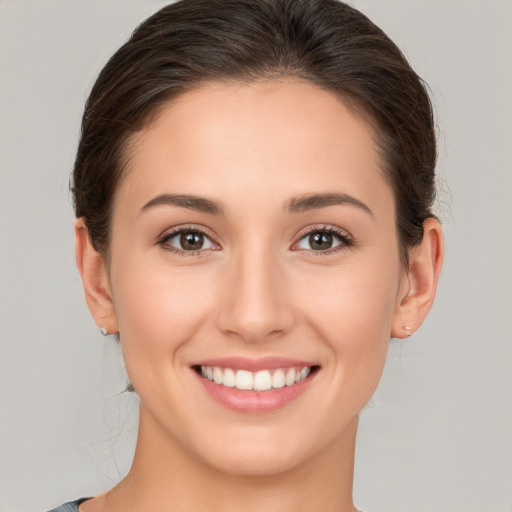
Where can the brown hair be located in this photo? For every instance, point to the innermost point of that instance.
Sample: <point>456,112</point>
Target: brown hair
<point>325,42</point>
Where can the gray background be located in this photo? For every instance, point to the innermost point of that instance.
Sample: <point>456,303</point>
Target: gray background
<point>437,436</point>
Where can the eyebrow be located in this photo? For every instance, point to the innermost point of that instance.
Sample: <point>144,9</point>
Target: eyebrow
<point>190,202</point>
<point>313,201</point>
<point>295,205</point>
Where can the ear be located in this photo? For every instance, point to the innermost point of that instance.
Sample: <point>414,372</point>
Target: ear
<point>94,279</point>
<point>419,282</point>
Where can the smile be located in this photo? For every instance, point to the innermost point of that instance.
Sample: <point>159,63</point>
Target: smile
<point>255,386</point>
<point>262,380</point>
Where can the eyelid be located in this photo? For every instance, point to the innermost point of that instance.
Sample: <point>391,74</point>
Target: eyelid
<point>343,236</point>
<point>187,228</point>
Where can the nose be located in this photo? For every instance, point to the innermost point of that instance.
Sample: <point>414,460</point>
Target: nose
<point>255,305</point>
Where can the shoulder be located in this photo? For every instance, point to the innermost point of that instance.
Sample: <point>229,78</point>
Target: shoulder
<point>71,506</point>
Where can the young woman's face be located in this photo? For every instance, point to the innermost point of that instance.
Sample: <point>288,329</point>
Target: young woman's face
<point>254,243</point>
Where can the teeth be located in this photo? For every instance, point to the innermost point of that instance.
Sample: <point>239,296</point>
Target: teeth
<point>262,381</point>
<point>278,379</point>
<point>244,380</point>
<point>304,372</point>
<point>258,381</point>
<point>218,375</point>
<point>290,377</point>
<point>229,378</point>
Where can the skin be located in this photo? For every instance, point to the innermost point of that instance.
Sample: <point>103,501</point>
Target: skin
<point>257,289</point>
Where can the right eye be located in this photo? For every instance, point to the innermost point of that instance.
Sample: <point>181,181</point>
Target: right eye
<point>187,241</point>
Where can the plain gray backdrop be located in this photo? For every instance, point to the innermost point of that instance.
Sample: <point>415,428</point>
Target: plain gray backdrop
<point>437,435</point>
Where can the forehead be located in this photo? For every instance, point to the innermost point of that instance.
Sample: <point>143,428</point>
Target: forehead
<point>269,139</point>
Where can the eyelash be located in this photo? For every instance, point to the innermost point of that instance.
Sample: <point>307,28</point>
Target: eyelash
<point>164,239</point>
<point>345,240</point>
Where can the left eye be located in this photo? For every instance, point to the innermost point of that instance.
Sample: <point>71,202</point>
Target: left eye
<point>322,241</point>
<point>188,241</point>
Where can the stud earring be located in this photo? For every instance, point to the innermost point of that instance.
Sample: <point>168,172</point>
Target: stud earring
<point>104,331</point>
<point>407,330</point>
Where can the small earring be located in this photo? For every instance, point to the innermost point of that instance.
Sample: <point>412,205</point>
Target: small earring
<point>104,331</point>
<point>407,330</point>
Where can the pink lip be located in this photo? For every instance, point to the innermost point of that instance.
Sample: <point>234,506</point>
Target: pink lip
<point>255,402</point>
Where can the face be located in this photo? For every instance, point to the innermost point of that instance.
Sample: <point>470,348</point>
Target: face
<point>255,273</point>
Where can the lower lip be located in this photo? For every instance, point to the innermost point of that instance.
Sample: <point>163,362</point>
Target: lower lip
<point>255,401</point>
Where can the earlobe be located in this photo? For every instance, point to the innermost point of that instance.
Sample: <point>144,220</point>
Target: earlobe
<point>95,281</point>
<point>419,284</point>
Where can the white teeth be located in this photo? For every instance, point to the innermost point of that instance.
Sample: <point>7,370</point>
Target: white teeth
<point>217,375</point>
<point>244,380</point>
<point>278,379</point>
<point>262,381</point>
<point>258,381</point>
<point>229,378</point>
<point>290,377</point>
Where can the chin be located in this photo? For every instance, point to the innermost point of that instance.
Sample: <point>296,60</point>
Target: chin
<point>266,450</point>
<point>257,462</point>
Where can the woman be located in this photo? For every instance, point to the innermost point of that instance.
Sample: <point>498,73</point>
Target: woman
<point>253,191</point>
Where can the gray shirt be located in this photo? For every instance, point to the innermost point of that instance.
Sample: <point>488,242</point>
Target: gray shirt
<point>72,506</point>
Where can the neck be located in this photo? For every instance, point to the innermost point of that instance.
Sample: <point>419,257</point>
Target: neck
<point>166,477</point>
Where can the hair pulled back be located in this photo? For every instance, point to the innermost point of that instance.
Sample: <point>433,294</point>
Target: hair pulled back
<point>325,42</point>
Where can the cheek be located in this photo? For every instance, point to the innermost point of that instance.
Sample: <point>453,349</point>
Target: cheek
<point>356,300</point>
<point>352,310</point>
<point>159,308</point>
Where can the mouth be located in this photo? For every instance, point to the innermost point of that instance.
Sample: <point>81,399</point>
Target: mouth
<point>262,380</point>
<point>248,386</point>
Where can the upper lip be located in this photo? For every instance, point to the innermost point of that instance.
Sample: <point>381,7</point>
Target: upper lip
<point>254,364</point>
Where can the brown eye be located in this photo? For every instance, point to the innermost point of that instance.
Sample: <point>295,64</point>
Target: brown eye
<point>320,241</point>
<point>187,241</point>
<point>191,241</point>
<point>325,239</point>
